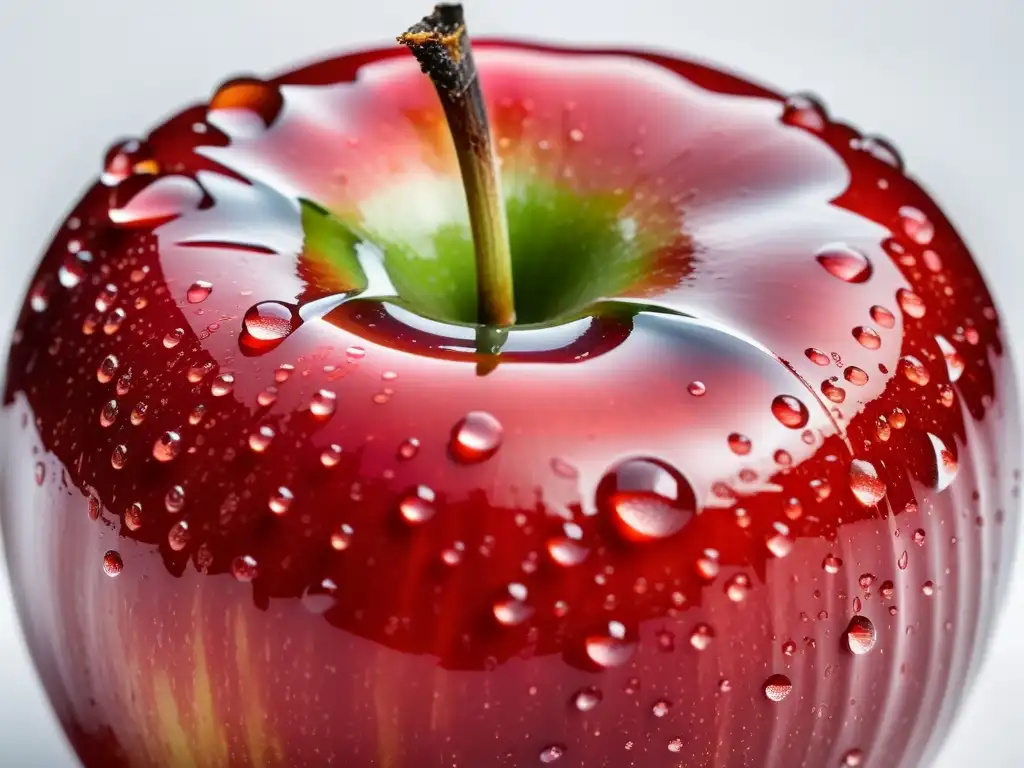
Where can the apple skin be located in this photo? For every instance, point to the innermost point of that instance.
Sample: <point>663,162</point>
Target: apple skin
<point>364,622</point>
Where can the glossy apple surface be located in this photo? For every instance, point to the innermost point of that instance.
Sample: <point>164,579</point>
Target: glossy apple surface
<point>740,491</point>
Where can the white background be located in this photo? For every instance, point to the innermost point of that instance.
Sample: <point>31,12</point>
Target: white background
<point>942,78</point>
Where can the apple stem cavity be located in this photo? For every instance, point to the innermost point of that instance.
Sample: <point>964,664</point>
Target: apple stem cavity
<point>442,47</point>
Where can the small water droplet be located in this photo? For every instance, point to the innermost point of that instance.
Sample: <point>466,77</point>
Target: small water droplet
<point>865,483</point>
<point>223,385</point>
<point>780,543</point>
<point>946,464</point>
<point>94,508</point>
<point>587,699</point>
<point>408,449</point>
<point>128,158</point>
<point>119,457</point>
<point>911,304</point>
<point>789,648</point>
<point>886,590</point>
<point>511,609</point>
<point>881,149</point>
<point>179,536</point>
<point>917,226</point>
<point>319,598</point>
<point>108,414</point>
<point>817,357</point>
<point>418,505</point>
<point>113,322</point>
<point>173,338</point>
<point>647,499</point>
<point>281,500</point>
<point>610,648</point>
<point>246,96</point>
<point>903,561</point>
<point>566,550</point>
<point>832,564</point>
<point>928,588</point>
<point>833,391</point>
<point>701,637</point>
<point>552,753</point>
<point>196,414</point>
<point>805,111</point>
<point>174,501</point>
<point>167,446</point>
<point>919,537</point>
<point>323,403</point>
<point>790,412</point>
<point>260,440</point>
<point>867,337</point>
<point>955,363</point>
<point>739,444</point>
<point>198,292</point>
<point>107,369</point>
<point>860,635</point>
<point>821,488</point>
<point>846,263</point>
<point>777,688</point>
<point>853,759</point>
<point>697,388</point>
<point>267,397</point>
<point>243,568</point>
<point>133,517</point>
<point>475,438</point>
<point>112,563</point>
<point>331,455</point>
<point>855,376</point>
<point>737,588</point>
<point>341,538</point>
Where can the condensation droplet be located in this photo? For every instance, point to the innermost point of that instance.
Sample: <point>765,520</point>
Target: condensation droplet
<point>174,501</point>
<point>341,538</point>
<point>817,357</point>
<point>269,321</point>
<point>865,483</point>
<point>107,369</point>
<point>223,385</point>
<point>697,388</point>
<point>777,688</point>
<point>916,224</point>
<point>243,568</point>
<point>846,263</point>
<point>911,304</point>
<point>108,413</point>
<point>167,446</point>
<point>281,500</point>
<point>260,440</point>
<point>646,499</point>
<point>739,444</point>
<point>867,337</point>
<point>119,457</point>
<point>790,412</point>
<point>179,536</point>
<point>610,648</point>
<point>418,506</point>
<point>475,438</point>
<point>112,563</point>
<point>587,699</point>
<point>512,609</point>
<point>198,292</point>
<point>323,403</point>
<point>173,338</point>
<point>860,635</point>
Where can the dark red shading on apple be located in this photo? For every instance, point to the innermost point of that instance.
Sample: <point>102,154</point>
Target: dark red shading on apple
<point>739,490</point>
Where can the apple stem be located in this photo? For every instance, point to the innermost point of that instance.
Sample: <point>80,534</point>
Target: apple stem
<point>442,47</point>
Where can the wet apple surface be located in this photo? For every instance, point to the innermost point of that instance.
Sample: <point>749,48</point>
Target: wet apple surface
<point>739,489</point>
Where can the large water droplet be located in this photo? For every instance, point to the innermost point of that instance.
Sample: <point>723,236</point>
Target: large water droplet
<point>701,637</point>
<point>865,483</point>
<point>832,564</point>
<point>475,438</point>
<point>790,412</point>
<point>833,391</point>
<point>173,338</point>
<point>853,759</point>
<point>737,588</point>
<point>777,687</point>
<point>867,337</point>
<point>610,648</point>
<point>269,321</point>
<point>647,499</point>
<point>779,542</point>
<point>319,598</point>
<point>846,263</point>
<point>860,635</point>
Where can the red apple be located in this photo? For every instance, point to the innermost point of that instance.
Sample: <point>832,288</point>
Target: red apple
<point>738,490</point>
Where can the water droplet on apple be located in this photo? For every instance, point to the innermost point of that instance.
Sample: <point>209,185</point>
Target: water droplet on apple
<point>661,708</point>
<point>179,536</point>
<point>928,588</point>
<point>707,564</point>
<point>737,588</point>
<point>173,338</point>
<point>817,357</point>
<point>197,372</point>
<point>779,542</point>
<point>916,225</point>
<point>697,388</point>
<point>511,609</point>
<point>566,550</point>
<point>124,384</point>
<point>133,517</point>
<point>883,317</point>
<point>675,745</point>
<point>867,337</point>
<point>243,568</point>
<point>790,412</point>
<point>610,648</point>
<point>919,537</point>
<point>341,538</point>
<point>886,590</point>
<point>323,403</point>
<point>701,637</point>
<point>789,648</point>
<point>911,304</point>
<point>865,483</point>
<point>198,292</point>
<point>119,457</point>
<point>914,370</point>
<point>148,202</point>
<point>739,444</point>
<point>112,563</point>
<point>903,561</point>
<point>833,391</point>
<point>552,753</point>
<point>319,598</point>
<point>860,635</point>
<point>855,376</point>
<point>955,364</point>
<point>777,688</point>
<point>283,373</point>
<point>647,499</point>
<point>107,369</point>
<point>245,106</point>
<point>113,322</point>
<point>269,322</point>
<point>408,449</point>
<point>138,414</point>
<point>881,149</point>
<point>853,759</point>
<point>846,263</point>
<point>418,505</point>
<point>128,158</point>
<point>174,500</point>
<point>475,438</point>
<point>167,446</point>
<point>108,414</point>
<point>946,464</point>
<point>805,111</point>
<point>587,699</point>
<point>281,500</point>
<point>260,440</point>
<point>331,455</point>
<point>72,270</point>
<point>832,564</point>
